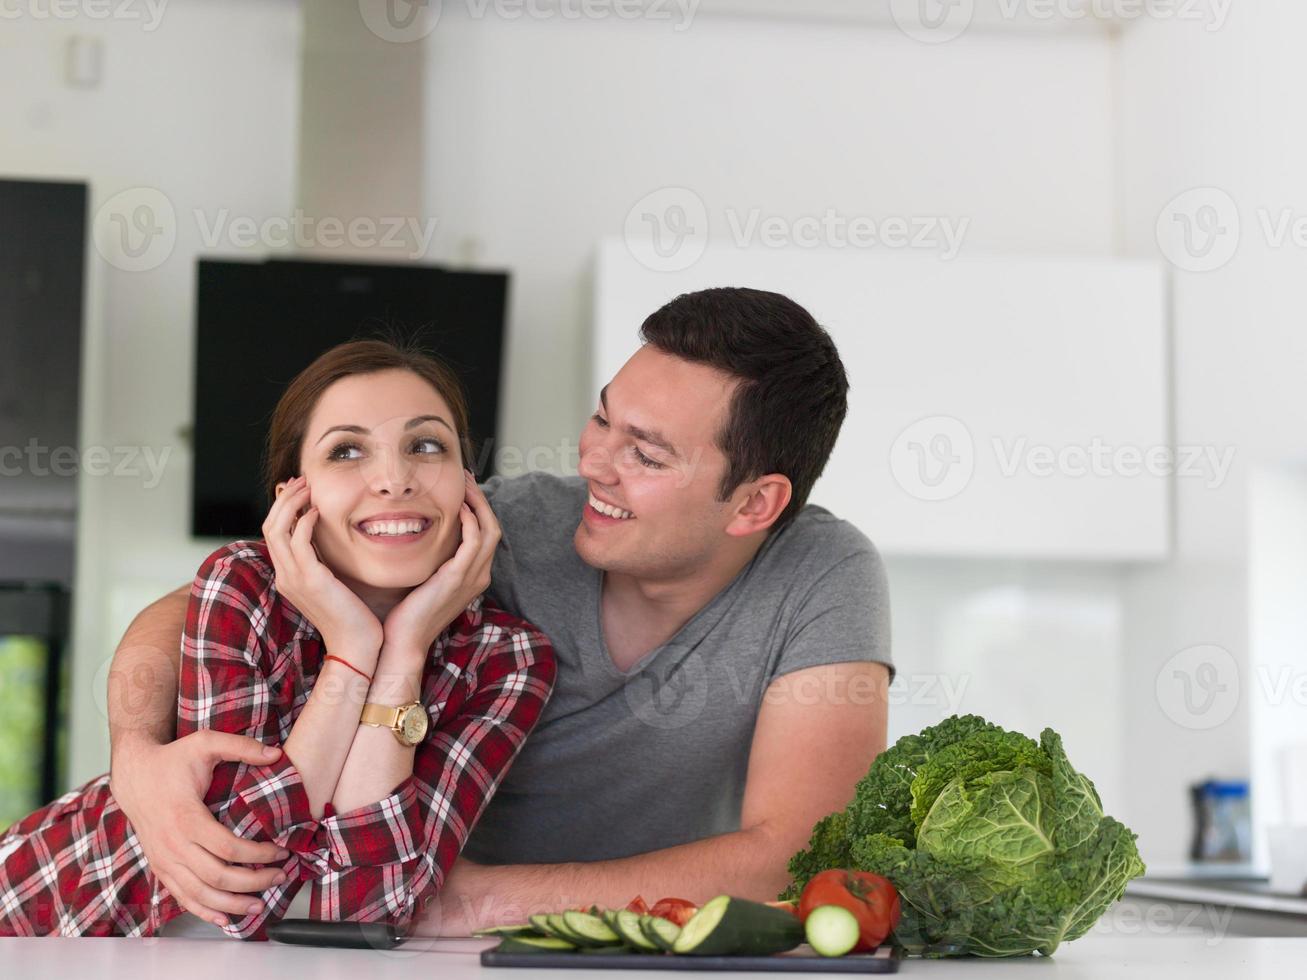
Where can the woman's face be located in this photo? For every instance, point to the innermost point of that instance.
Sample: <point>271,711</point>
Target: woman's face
<point>384,469</point>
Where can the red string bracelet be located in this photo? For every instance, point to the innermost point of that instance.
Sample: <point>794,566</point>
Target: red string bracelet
<point>340,660</point>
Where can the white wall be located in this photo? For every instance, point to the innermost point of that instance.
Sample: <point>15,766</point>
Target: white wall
<point>203,109</point>
<point>544,134</point>
<point>1278,648</point>
<point>1212,109</point>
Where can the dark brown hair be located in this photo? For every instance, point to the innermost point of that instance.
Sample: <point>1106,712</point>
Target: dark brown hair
<point>792,395</point>
<point>290,418</point>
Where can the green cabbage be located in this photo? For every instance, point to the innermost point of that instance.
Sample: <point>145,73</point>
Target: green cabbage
<point>997,846</point>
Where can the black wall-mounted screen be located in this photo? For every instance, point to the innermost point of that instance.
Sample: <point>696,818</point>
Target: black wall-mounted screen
<point>259,324</point>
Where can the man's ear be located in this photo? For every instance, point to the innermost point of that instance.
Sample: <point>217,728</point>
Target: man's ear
<point>765,500</point>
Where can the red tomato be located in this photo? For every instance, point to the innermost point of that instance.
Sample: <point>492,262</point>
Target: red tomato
<point>871,898</point>
<point>676,910</point>
<point>637,906</point>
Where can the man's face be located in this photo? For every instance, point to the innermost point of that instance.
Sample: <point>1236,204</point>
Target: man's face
<point>378,445</point>
<point>651,451</point>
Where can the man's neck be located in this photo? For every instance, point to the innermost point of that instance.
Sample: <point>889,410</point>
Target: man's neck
<point>640,614</point>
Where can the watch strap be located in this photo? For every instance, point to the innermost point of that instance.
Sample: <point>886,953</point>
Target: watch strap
<point>381,715</point>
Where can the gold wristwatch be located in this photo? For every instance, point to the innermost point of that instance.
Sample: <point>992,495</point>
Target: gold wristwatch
<point>408,721</point>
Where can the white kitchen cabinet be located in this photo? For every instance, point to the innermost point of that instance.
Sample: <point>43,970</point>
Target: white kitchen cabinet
<point>1000,406</point>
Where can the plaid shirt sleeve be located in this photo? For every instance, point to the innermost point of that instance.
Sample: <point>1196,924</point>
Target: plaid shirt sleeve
<point>378,861</point>
<point>231,676</point>
<point>388,859</point>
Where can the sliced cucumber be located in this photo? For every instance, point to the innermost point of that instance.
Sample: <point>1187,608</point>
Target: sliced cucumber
<point>831,930</point>
<point>534,944</point>
<point>627,925</point>
<point>591,929</point>
<point>540,923</point>
<point>558,928</point>
<point>728,926</point>
<point>522,929</point>
<point>659,931</point>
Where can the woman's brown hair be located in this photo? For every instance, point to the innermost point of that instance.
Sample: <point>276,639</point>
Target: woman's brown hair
<point>290,418</point>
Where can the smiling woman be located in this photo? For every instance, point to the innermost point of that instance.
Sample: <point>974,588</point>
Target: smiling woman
<point>354,636</point>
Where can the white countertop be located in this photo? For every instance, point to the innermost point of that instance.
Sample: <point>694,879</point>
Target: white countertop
<point>1155,957</point>
<point>1243,895</point>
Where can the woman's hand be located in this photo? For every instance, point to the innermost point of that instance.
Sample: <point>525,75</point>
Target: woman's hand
<point>413,625</point>
<point>335,610</point>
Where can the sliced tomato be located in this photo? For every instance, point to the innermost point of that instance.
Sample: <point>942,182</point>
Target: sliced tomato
<point>637,906</point>
<point>871,898</point>
<point>676,910</point>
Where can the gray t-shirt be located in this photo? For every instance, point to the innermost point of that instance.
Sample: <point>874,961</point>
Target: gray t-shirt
<point>621,764</point>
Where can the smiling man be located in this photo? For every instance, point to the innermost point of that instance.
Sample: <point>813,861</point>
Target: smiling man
<point>722,646</point>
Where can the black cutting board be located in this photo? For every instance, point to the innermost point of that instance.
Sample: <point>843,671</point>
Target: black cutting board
<point>801,960</point>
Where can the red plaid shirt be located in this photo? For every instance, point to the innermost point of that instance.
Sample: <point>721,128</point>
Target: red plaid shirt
<point>249,661</point>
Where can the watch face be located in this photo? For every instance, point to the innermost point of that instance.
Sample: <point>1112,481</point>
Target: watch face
<point>414,724</point>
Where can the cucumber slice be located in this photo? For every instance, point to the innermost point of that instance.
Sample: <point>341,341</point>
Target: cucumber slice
<point>558,929</point>
<point>831,930</point>
<point>522,929</point>
<point>627,925</point>
<point>659,931</point>
<point>591,929</point>
<point>534,944</point>
<point>728,926</point>
<point>540,923</point>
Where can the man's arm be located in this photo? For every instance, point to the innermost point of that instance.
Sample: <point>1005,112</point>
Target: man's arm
<point>142,691</point>
<point>817,733</point>
<point>160,784</point>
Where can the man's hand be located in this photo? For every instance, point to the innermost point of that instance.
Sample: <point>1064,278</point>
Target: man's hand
<point>422,615</point>
<point>161,790</point>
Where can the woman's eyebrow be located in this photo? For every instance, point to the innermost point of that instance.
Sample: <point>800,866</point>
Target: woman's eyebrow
<point>410,424</point>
